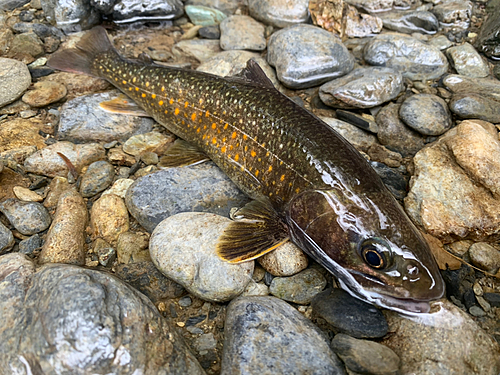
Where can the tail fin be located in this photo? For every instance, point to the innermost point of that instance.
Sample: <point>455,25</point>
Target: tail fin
<point>80,59</point>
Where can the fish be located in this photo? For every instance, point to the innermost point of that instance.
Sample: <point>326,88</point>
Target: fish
<point>307,183</point>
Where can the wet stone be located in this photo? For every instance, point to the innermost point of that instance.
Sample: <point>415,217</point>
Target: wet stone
<point>426,113</point>
<point>27,217</point>
<point>71,16</point>
<point>349,315</point>
<point>109,218</point>
<point>107,321</point>
<point>413,58</point>
<point>185,301</point>
<point>454,13</point>
<point>200,49</point>
<point>279,13</point>
<point>492,298</point>
<point>126,11</point>
<point>204,16</point>
<point>45,93</point>
<point>485,256</point>
<point>306,56</point>
<point>362,88</point>
<point>258,328</point>
<point>98,177</point>
<point>413,21</point>
<point>357,137</point>
<point>15,79</point>
<point>147,142</point>
<point>242,32</point>
<point>119,187</point>
<point>83,120</point>
<point>441,42</point>
<point>6,239</point>
<point>210,32</point>
<point>300,288</point>
<point>12,4</point>
<point>199,188</point>
<point>392,179</point>
<point>204,342</point>
<point>488,39</point>
<point>286,260</point>
<point>467,61</point>
<point>365,357</point>
<point>359,25</point>
<point>203,273</point>
<point>29,245</point>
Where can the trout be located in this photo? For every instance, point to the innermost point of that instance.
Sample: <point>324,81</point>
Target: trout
<point>308,183</point>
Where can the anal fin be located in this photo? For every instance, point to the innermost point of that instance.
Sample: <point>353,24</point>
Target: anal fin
<point>180,154</point>
<point>124,105</point>
<point>257,230</point>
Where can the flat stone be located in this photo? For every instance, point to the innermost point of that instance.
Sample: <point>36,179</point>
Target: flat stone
<point>360,25</point>
<point>25,194</point>
<point>286,260</point>
<point>467,61</point>
<point>413,58</point>
<point>279,13</point>
<point>109,218</point>
<point>413,21</point>
<point>258,328</point>
<point>349,315</point>
<point>45,93</point>
<point>426,113</point>
<point>199,188</point>
<point>362,88</point>
<point>15,79</point>
<point>83,120</point>
<point>204,16</point>
<point>306,56</point>
<point>27,217</point>
<point>132,248</point>
<point>6,239</point>
<point>147,142</point>
<point>242,32</point>
<point>203,273</point>
<point>210,32</point>
<point>441,42</point>
<point>78,84</point>
<point>300,288</point>
<point>200,49</point>
<point>446,341</point>
<point>485,256</point>
<point>119,187</point>
<point>474,106</point>
<point>65,242</point>
<point>127,11</point>
<point>109,323</point>
<point>454,13</point>
<point>18,133</point>
<point>98,177</point>
<point>358,138</point>
<point>26,47</point>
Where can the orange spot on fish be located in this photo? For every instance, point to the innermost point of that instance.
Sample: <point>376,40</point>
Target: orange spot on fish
<point>257,173</point>
<point>270,168</point>
<point>224,139</point>
<point>223,149</point>
<point>143,95</point>
<point>198,130</point>
<point>160,102</point>
<point>137,89</point>
<point>153,96</point>
<point>214,140</point>
<point>234,135</point>
<point>186,104</point>
<point>297,190</point>
<point>253,153</point>
<point>204,136</point>
<point>176,112</point>
<point>193,116</point>
<point>207,113</point>
<point>231,147</point>
<point>124,82</point>
<point>162,88</point>
<point>245,137</point>
<point>214,125</point>
<point>225,126</point>
<point>282,178</point>
<point>166,112</point>
<point>130,89</point>
<point>236,157</point>
<point>171,101</point>
<point>205,127</point>
<point>200,101</point>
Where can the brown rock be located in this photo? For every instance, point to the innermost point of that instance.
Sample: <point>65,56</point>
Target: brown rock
<point>26,45</point>
<point>485,256</point>
<point>56,188</point>
<point>116,156</point>
<point>133,248</point>
<point>19,133</point>
<point>66,237</point>
<point>109,218</point>
<point>6,37</point>
<point>44,93</point>
<point>286,260</point>
<point>25,194</point>
<point>77,84</point>
<point>8,180</point>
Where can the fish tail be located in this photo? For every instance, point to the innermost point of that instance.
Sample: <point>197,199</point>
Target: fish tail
<point>81,59</point>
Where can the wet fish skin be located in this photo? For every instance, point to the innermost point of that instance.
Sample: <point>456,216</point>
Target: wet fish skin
<point>326,196</point>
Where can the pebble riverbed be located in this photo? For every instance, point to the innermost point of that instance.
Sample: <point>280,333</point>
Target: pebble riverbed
<point>109,267</point>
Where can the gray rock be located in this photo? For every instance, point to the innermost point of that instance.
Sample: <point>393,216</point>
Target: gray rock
<point>29,245</point>
<point>467,61</point>
<point>242,32</point>
<point>279,13</point>
<point>209,32</point>
<point>362,88</point>
<point>374,6</point>
<point>27,217</point>
<point>200,49</point>
<point>286,260</point>
<point>103,6</point>
<point>202,273</point>
<point>358,138</point>
<point>446,341</point>
<point>15,79</point>
<point>204,342</point>
<point>453,13</point>
<point>12,4</point>
<point>492,298</point>
<point>126,11</point>
<point>485,256</point>
<point>413,58</point>
<point>6,239</point>
<point>111,327</point>
<point>488,40</point>
<point>394,134</point>
<point>306,56</point>
<point>365,357</point>
<point>300,288</point>
<point>70,16</point>
<point>393,179</point>
<point>204,16</point>
<point>226,6</point>
<point>83,120</point>
<point>98,177</point>
<point>199,188</point>
<point>441,42</point>
<point>265,335</point>
<point>413,21</point>
<point>349,315</point>
<point>426,113</point>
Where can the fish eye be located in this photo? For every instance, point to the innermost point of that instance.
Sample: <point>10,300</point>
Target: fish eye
<point>376,253</point>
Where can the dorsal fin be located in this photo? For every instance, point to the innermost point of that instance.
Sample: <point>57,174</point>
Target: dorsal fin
<point>254,75</point>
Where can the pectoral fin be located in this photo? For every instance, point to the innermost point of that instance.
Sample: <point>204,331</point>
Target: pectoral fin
<point>124,105</point>
<point>181,154</point>
<point>257,230</point>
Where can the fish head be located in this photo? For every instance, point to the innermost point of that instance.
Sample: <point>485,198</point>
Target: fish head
<point>369,244</point>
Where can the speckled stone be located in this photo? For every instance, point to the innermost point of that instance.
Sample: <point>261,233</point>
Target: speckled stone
<point>45,93</point>
<point>242,32</point>
<point>27,217</point>
<point>98,177</point>
<point>485,256</point>
<point>109,218</point>
<point>286,260</point>
<point>6,239</point>
<point>467,61</point>
<point>300,288</point>
<point>426,113</point>
<point>15,79</point>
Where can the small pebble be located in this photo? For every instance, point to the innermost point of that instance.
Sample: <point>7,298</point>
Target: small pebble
<point>45,93</point>
<point>185,301</point>
<point>477,311</point>
<point>27,217</point>
<point>26,195</point>
<point>286,260</point>
<point>109,218</point>
<point>485,256</point>
<point>300,288</point>
<point>97,178</point>
<point>29,245</point>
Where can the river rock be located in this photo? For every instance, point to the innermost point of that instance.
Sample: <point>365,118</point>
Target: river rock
<point>279,13</point>
<point>132,248</point>
<point>147,142</point>
<point>242,32</point>
<point>357,137</point>
<point>98,177</point>
<point>454,13</point>
<point>258,328</point>
<point>66,237</point>
<point>306,56</point>
<point>203,15</point>
<point>6,239</point>
<point>19,133</point>
<point>454,193</point>
<point>111,327</point>
<point>47,162</point>
<point>126,11</point>
<point>200,49</point>
<point>27,195</point>
<point>26,47</point>
<point>366,357</point>
<point>109,218</point>
<point>83,120</point>
<point>426,113</point>
<point>286,260</point>
<point>441,42</point>
<point>413,21</point>
<point>362,88</point>
<point>300,288</point>
<point>488,40</point>
<point>119,187</point>
<point>72,16</point>
<point>15,79</point>
<point>226,6</point>
<point>202,273</point>
<point>413,58</point>
<point>12,4</point>
<point>349,315</point>
<point>27,217</point>
<point>446,341</point>
<point>30,245</point>
<point>485,256</point>
<point>44,93</point>
<point>467,61</point>
<point>200,188</point>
